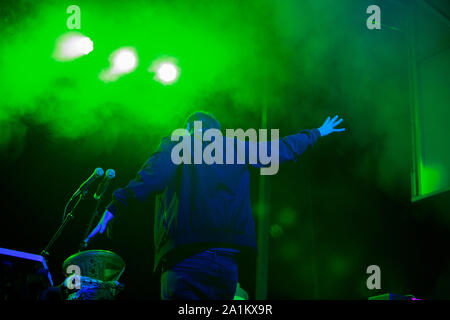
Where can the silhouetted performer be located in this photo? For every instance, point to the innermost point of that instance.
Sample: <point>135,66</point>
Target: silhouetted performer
<point>203,219</point>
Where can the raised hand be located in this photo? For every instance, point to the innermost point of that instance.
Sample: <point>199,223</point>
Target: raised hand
<point>329,126</point>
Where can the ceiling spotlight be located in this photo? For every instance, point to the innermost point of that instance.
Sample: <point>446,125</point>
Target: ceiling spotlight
<point>72,45</point>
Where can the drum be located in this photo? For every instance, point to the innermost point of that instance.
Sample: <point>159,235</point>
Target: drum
<point>102,265</point>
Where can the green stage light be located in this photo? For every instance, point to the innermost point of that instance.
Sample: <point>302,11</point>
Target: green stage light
<point>72,45</point>
<point>167,72</point>
<point>123,61</point>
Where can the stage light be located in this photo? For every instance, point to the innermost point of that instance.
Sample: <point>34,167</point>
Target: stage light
<point>123,61</point>
<point>167,72</point>
<point>72,45</point>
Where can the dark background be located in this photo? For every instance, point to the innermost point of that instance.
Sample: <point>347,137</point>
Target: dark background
<point>345,205</point>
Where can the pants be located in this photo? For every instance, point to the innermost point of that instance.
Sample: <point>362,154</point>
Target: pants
<point>211,274</point>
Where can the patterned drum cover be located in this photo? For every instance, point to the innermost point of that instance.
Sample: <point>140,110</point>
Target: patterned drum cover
<point>102,265</point>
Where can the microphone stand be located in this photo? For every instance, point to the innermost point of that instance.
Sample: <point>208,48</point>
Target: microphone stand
<point>66,218</point>
<point>101,189</point>
<point>83,244</point>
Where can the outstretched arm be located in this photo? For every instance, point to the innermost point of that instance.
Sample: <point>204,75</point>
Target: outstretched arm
<point>291,147</point>
<point>152,177</point>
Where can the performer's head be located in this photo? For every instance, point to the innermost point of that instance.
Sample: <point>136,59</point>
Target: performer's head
<point>208,121</point>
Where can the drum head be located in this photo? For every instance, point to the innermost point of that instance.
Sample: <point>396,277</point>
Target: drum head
<point>96,264</point>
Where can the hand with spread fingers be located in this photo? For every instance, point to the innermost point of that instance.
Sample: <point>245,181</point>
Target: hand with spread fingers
<point>329,126</point>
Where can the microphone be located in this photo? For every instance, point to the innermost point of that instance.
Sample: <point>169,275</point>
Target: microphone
<point>102,187</point>
<point>94,176</point>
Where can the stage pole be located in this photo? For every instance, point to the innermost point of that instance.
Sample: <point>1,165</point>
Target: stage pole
<point>263,221</point>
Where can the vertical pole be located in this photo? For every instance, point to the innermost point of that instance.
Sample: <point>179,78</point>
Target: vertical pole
<point>312,224</point>
<point>415,132</point>
<point>262,261</point>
